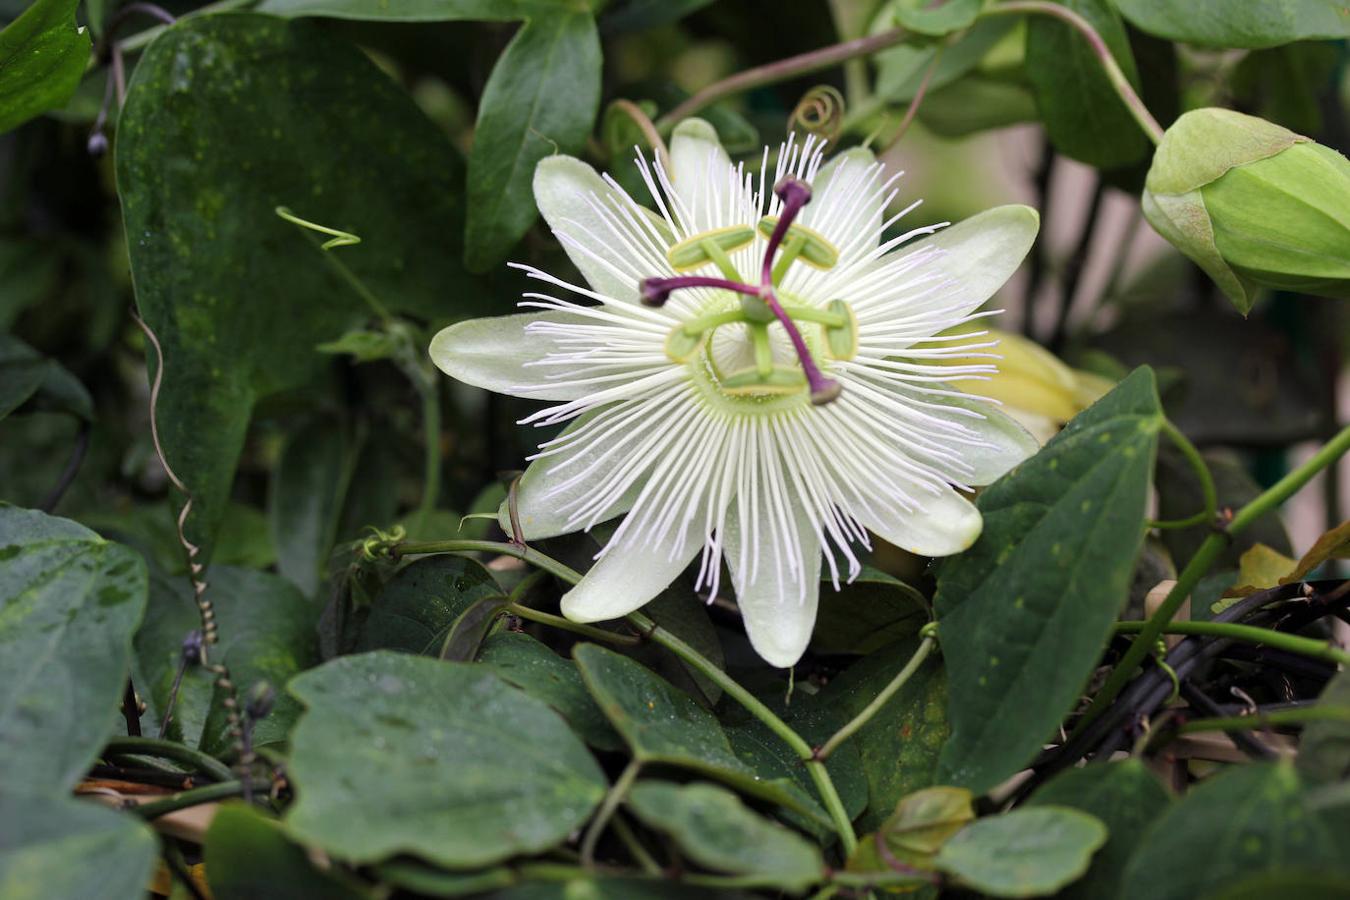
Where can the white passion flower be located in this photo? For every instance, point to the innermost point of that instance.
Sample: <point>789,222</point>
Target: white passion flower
<point>752,373</point>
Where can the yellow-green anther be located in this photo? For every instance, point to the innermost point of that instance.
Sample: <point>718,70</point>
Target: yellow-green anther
<point>815,250</point>
<point>842,339</point>
<point>711,247</point>
<point>778,380</point>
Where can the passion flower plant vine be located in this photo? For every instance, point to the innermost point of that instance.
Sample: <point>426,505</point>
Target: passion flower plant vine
<point>752,372</point>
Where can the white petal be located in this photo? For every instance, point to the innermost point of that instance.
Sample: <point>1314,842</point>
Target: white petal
<point>947,524</point>
<point>597,225</point>
<point>847,203</point>
<point>700,170</point>
<point>978,254</point>
<point>778,605</point>
<point>544,512</point>
<point>628,575</point>
<point>492,353</point>
<point>1008,443</point>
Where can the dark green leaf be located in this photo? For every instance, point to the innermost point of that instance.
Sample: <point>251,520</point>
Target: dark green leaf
<point>663,725</point>
<point>53,847</point>
<point>541,98</point>
<point>266,634</point>
<point>418,606</point>
<point>935,19</point>
<point>973,104</point>
<point>420,878</point>
<point>899,746</point>
<point>69,604</point>
<point>1246,821</point>
<point>1324,752</point>
<point>524,662</point>
<point>470,628</point>
<point>637,15</point>
<point>583,888</point>
<point>24,373</point>
<point>443,760</point>
<point>248,857</point>
<point>900,70</point>
<point>1126,797</point>
<point>684,615</point>
<point>1238,23</point>
<point>870,612</point>
<point>42,56</point>
<point>1083,115</point>
<point>1027,611</point>
<point>227,118</point>
<point>1025,853</point>
<point>715,829</point>
<point>304,500</point>
<point>421,10</point>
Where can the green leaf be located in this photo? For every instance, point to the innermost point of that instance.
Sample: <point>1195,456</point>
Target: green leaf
<point>25,373</point>
<point>471,627</point>
<point>870,612</point>
<point>663,725</point>
<point>422,879</point>
<point>228,117</point>
<point>973,104</point>
<point>899,745</point>
<point>1238,23</point>
<point>1027,611</point>
<point>916,831</point>
<point>1024,853</point>
<point>715,829</point>
<point>612,889</point>
<point>1248,820</point>
<point>247,856</point>
<point>526,663</point>
<point>1126,797</point>
<point>43,54</point>
<point>541,98</point>
<point>444,761</point>
<point>1324,751</point>
<point>421,10</point>
<point>267,633</point>
<point>900,70</point>
<point>419,605</point>
<point>936,19</point>
<point>638,15</point>
<point>304,500</point>
<point>52,846</point>
<point>69,604</point>
<point>1083,115</point>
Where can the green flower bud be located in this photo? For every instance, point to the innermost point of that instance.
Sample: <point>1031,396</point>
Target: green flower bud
<point>1253,204</point>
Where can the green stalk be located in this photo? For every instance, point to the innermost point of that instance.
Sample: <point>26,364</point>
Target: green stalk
<point>145,746</point>
<point>184,799</point>
<point>1197,463</point>
<point>613,798</point>
<point>920,654</point>
<point>1209,551</point>
<point>1278,718</point>
<point>649,629</point>
<point>1250,634</point>
<point>590,631</point>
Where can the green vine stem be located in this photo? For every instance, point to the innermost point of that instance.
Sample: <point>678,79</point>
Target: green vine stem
<point>1275,719</point>
<point>1209,551</point>
<point>590,631</point>
<point>613,798</point>
<point>1119,82</point>
<point>1197,463</point>
<point>184,799</point>
<point>780,70</point>
<point>145,746</point>
<point>657,635</point>
<point>857,722</point>
<point>1250,634</point>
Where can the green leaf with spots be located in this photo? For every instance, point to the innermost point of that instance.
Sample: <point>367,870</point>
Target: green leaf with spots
<point>1239,23</point>
<point>542,98</point>
<point>526,663</point>
<point>1083,115</point>
<point>53,847</point>
<point>422,10</point>
<point>1027,611</point>
<point>247,856</point>
<point>420,604</point>
<point>1240,824</point>
<point>444,761</point>
<point>43,54</point>
<point>69,603</point>
<point>716,830</point>
<point>1028,852</point>
<point>267,633</point>
<point>663,725</point>
<point>228,117</point>
<point>1126,797</point>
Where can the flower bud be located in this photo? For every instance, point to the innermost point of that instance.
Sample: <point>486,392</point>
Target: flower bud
<point>1253,204</point>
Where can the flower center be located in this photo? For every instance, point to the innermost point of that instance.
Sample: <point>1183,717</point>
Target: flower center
<point>748,344</point>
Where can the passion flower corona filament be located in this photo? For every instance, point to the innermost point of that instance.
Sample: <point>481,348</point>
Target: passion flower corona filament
<point>751,373</point>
